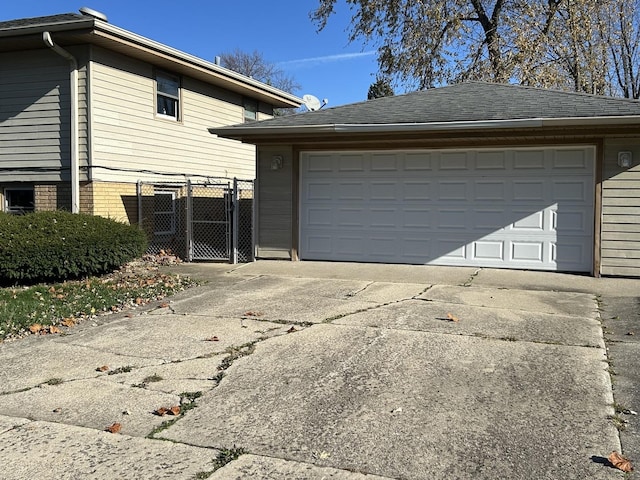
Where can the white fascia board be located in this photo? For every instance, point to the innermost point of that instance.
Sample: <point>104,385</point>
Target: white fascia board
<point>217,70</point>
<point>248,131</point>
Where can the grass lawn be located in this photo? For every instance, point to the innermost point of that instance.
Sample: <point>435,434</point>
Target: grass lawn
<point>47,308</point>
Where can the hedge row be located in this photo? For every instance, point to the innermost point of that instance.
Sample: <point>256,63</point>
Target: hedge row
<point>55,246</point>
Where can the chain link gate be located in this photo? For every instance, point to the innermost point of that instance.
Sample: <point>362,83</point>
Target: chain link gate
<point>199,220</point>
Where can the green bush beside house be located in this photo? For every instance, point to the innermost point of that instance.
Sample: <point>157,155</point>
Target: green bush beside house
<point>56,246</point>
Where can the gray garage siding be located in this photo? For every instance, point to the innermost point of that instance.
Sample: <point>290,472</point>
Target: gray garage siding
<point>621,210</point>
<point>274,199</point>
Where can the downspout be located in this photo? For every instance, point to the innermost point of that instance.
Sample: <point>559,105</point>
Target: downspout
<point>75,164</point>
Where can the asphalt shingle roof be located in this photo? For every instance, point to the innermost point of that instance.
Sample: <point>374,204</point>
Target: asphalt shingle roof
<point>35,21</point>
<point>464,102</point>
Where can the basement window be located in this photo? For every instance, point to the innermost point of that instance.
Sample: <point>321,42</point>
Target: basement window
<point>19,201</point>
<point>167,96</point>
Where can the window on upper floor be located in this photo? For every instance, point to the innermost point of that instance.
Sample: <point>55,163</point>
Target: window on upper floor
<point>18,201</point>
<point>167,96</point>
<point>250,109</point>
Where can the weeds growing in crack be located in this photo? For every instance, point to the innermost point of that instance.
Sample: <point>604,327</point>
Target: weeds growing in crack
<point>618,422</point>
<point>125,369</point>
<point>147,380</point>
<point>225,456</point>
<point>187,402</point>
<point>53,381</point>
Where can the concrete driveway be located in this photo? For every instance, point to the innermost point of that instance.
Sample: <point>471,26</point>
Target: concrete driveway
<point>320,370</point>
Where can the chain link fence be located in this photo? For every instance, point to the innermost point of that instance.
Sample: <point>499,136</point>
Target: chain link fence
<point>199,220</point>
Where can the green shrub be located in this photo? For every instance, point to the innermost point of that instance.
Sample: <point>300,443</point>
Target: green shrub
<point>55,246</point>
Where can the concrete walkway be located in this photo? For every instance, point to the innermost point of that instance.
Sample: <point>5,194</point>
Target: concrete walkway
<point>322,370</point>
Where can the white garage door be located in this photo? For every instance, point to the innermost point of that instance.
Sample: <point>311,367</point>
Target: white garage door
<point>527,208</point>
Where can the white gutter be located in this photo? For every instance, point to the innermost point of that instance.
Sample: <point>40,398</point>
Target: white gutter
<point>75,164</point>
<point>248,130</point>
<point>212,68</point>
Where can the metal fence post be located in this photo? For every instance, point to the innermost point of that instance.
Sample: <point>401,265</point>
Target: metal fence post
<point>189,224</point>
<point>235,210</point>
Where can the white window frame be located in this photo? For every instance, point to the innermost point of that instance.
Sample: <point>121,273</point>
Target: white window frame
<point>175,98</point>
<point>18,210</point>
<point>172,212</point>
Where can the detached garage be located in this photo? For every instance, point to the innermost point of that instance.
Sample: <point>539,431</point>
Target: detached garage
<point>472,174</point>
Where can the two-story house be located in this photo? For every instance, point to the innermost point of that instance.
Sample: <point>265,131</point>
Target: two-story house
<point>88,109</point>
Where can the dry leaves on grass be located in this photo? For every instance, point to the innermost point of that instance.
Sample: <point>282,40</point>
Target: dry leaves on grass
<point>620,462</point>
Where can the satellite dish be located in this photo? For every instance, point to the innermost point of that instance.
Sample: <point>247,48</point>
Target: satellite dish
<point>312,103</point>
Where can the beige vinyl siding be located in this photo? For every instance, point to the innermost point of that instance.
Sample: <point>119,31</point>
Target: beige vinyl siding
<point>274,204</point>
<point>34,117</point>
<point>621,210</point>
<point>129,139</point>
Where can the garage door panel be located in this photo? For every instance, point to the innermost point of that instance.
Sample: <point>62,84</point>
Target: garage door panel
<point>416,190</point>
<point>529,159</point>
<point>573,159</point>
<point>489,250</point>
<point>491,160</point>
<point>576,190</point>
<point>417,161</point>
<point>510,208</point>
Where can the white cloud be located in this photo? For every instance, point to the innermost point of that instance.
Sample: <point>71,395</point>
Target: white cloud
<point>314,61</point>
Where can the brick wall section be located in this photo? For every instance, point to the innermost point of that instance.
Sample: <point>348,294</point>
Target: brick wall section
<point>86,198</point>
<point>54,196</point>
<point>118,201</point>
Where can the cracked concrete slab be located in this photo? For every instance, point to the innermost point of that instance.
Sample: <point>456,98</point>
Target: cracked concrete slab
<point>414,405</point>
<point>94,403</point>
<point>254,466</point>
<point>172,337</point>
<point>9,423</point>
<point>377,272</point>
<point>32,361</point>
<point>432,316</point>
<point>297,300</point>
<point>559,303</point>
<point>175,377</point>
<point>65,452</point>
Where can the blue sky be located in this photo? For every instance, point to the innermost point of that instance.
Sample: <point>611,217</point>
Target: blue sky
<point>324,63</point>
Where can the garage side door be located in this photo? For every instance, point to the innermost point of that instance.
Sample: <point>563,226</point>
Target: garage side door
<point>527,208</point>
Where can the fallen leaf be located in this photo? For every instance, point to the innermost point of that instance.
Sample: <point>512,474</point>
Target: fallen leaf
<point>114,428</point>
<point>175,410</point>
<point>213,339</point>
<point>292,329</point>
<point>103,368</point>
<point>630,333</point>
<point>161,411</point>
<point>35,328</point>
<point>620,462</point>
<point>54,329</point>
<point>52,290</point>
<point>139,301</point>
<point>452,317</point>
<point>164,305</point>
<point>60,296</point>
<point>68,322</point>
<point>253,314</point>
